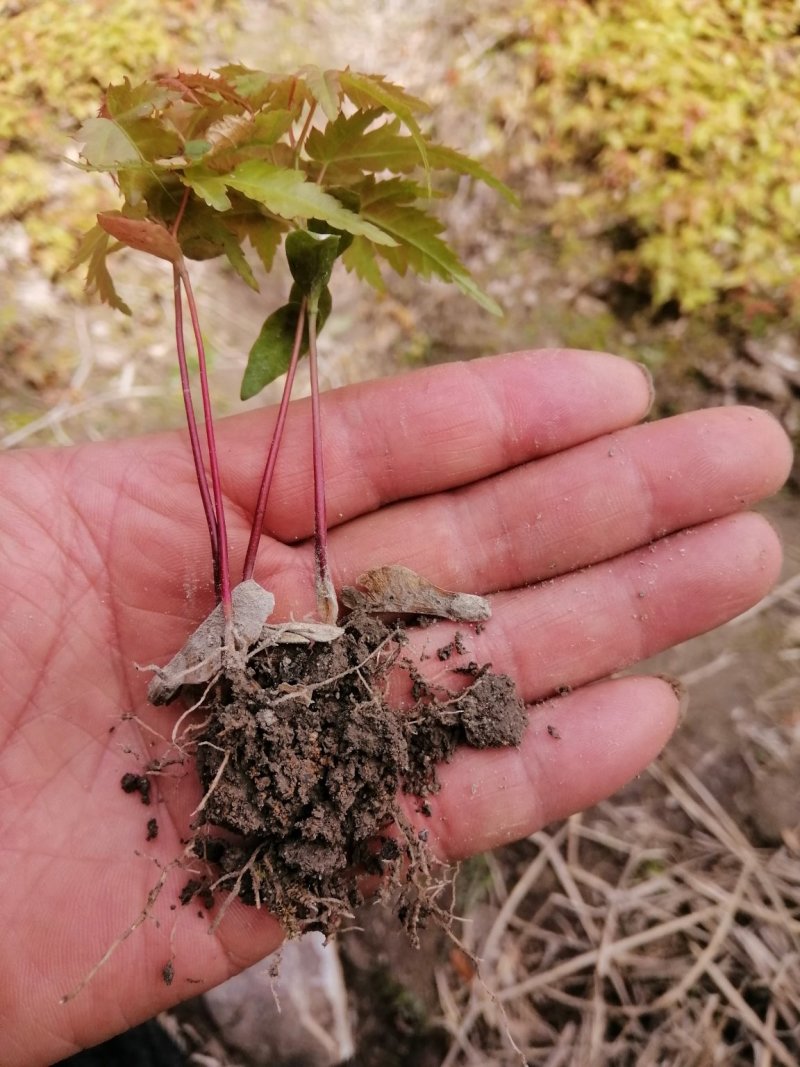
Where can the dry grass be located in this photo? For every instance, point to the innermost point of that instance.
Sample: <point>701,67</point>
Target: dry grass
<point>628,941</point>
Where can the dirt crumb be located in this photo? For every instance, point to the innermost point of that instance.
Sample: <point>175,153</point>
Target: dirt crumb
<point>136,783</point>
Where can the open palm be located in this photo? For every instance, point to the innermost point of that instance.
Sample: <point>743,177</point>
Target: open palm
<point>521,477</point>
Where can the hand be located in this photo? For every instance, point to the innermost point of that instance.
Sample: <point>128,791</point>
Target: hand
<point>524,477</point>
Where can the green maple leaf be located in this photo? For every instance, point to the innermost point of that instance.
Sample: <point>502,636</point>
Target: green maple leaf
<point>106,145</point>
<point>424,251</point>
<point>264,235</point>
<point>336,141</point>
<point>395,190</point>
<point>246,81</point>
<point>209,187</point>
<point>237,258</point>
<point>214,230</point>
<point>152,138</point>
<point>367,90</point>
<point>325,87</point>
<point>288,194</point>
<point>443,158</point>
<point>349,143</point>
<point>360,258</point>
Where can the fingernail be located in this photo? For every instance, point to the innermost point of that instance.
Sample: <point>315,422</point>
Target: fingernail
<point>680,691</point>
<point>651,388</point>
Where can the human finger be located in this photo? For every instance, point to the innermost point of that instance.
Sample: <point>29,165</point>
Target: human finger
<point>433,430</point>
<point>565,511</point>
<point>583,626</point>
<point>577,750</point>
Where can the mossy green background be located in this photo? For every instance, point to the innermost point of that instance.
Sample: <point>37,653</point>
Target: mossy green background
<point>671,128</point>
<point>55,60</point>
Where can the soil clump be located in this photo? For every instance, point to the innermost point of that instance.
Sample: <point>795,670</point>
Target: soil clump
<point>302,760</point>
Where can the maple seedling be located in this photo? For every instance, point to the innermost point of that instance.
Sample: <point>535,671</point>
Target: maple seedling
<point>327,165</point>
<point>298,751</point>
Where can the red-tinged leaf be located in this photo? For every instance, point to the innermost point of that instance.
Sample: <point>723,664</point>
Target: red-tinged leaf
<point>237,139</point>
<point>98,280</point>
<point>361,260</point>
<point>125,102</point>
<point>287,193</point>
<point>204,88</point>
<point>141,234</point>
<point>152,138</point>
<point>286,94</point>
<point>192,121</point>
<point>88,243</point>
<point>325,87</point>
<point>338,137</point>
<point>281,155</point>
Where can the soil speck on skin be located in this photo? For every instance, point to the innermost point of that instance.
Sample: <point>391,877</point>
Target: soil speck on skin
<point>152,830</point>
<point>301,759</point>
<point>168,972</point>
<point>554,732</point>
<point>136,783</point>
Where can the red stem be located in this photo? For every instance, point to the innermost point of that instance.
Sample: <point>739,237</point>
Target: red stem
<point>272,456</point>
<point>216,487</point>
<point>301,140</point>
<point>326,595</point>
<point>194,437</point>
<point>181,209</point>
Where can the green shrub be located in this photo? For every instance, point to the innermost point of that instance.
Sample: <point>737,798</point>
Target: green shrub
<point>673,127</point>
<point>54,58</point>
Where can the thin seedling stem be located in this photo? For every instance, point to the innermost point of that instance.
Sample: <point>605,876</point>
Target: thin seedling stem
<point>304,133</point>
<point>194,437</point>
<point>274,448</point>
<point>327,605</point>
<point>181,209</point>
<point>213,461</point>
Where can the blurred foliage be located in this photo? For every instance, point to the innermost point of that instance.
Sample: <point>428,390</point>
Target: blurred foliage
<point>671,128</point>
<point>55,58</point>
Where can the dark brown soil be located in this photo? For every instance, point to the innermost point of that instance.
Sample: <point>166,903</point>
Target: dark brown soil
<point>302,760</point>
